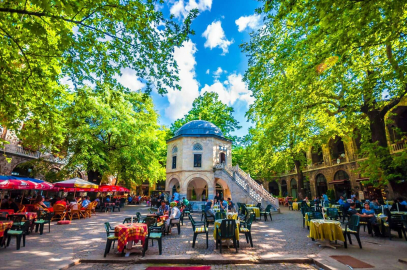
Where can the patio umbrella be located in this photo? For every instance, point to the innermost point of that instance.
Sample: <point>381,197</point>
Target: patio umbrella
<point>111,188</point>
<point>44,184</point>
<point>75,184</point>
<point>9,182</point>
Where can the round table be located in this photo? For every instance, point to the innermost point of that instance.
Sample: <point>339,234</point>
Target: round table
<point>329,230</point>
<point>217,225</point>
<point>129,232</point>
<point>5,225</point>
<point>256,211</point>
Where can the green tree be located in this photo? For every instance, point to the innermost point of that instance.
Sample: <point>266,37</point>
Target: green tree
<point>44,43</point>
<point>208,107</point>
<point>338,64</point>
<point>115,133</point>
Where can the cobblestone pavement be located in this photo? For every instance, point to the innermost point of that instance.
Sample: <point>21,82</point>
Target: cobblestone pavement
<point>277,266</point>
<point>284,237</point>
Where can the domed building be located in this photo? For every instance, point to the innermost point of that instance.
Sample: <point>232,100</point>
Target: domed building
<point>199,164</point>
<point>192,154</point>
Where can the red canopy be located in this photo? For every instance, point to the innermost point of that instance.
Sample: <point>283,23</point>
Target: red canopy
<point>111,188</point>
<point>18,184</point>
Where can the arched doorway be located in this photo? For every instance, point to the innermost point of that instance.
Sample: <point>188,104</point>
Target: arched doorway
<point>342,184</point>
<point>223,189</point>
<point>294,192</point>
<point>25,169</point>
<point>321,184</point>
<point>222,158</point>
<point>337,150</point>
<point>197,189</point>
<point>173,186</point>
<point>284,191</point>
<point>273,188</point>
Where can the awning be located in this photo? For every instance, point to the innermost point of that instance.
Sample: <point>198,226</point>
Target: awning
<point>362,179</point>
<point>338,182</point>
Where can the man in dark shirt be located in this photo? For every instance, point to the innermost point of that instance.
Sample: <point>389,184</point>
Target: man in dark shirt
<point>352,210</point>
<point>10,204</point>
<point>217,198</point>
<point>208,208</point>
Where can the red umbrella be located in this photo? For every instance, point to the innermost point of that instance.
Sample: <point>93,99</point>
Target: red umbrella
<point>18,184</point>
<point>81,189</point>
<point>111,188</point>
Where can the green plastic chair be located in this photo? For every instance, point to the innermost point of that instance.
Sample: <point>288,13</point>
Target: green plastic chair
<point>21,233</point>
<point>352,227</point>
<point>111,239</point>
<point>265,212</point>
<point>43,218</point>
<point>226,230</point>
<point>220,215</point>
<point>154,233</point>
<point>332,213</point>
<point>198,227</point>
<point>246,229</point>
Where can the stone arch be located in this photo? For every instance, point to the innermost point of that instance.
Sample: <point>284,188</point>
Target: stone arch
<point>210,184</point>
<point>169,179</point>
<point>274,188</point>
<point>294,188</point>
<point>321,184</point>
<point>284,187</point>
<point>342,184</point>
<point>225,187</point>
<point>174,185</point>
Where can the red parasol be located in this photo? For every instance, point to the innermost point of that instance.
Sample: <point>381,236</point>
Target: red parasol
<point>18,184</point>
<point>111,188</point>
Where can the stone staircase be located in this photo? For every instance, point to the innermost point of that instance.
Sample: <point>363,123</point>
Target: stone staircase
<point>248,185</point>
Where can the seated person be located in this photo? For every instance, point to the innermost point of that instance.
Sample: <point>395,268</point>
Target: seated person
<point>231,205</point>
<point>346,205</point>
<point>374,204</point>
<point>185,201</point>
<point>10,204</point>
<point>208,208</point>
<point>39,204</point>
<point>352,209</point>
<point>341,200</point>
<point>73,205</point>
<point>224,206</point>
<point>61,201</point>
<point>86,202</point>
<point>163,209</point>
<point>306,199</point>
<point>174,216</point>
<point>107,199</point>
<point>130,199</point>
<point>369,214</point>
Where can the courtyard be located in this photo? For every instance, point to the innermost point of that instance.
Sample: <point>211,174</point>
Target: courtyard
<point>278,244</point>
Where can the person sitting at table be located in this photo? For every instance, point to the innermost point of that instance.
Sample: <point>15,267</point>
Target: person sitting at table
<point>86,202</point>
<point>5,199</point>
<point>231,205</point>
<point>39,204</point>
<point>208,208</point>
<point>352,209</point>
<point>374,204</point>
<point>369,214</point>
<point>403,202</point>
<point>224,206</point>
<point>176,196</point>
<point>73,204</point>
<point>10,204</point>
<point>107,199</point>
<point>185,202</point>
<point>341,201</point>
<point>174,216</point>
<point>163,209</point>
<point>355,200</point>
<point>217,198</point>
<point>317,200</point>
<point>61,201</point>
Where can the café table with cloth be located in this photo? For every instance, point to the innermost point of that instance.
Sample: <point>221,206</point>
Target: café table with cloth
<point>297,205</point>
<point>256,211</point>
<point>328,230</point>
<point>129,232</point>
<point>8,211</point>
<point>4,225</point>
<point>218,222</point>
<point>231,215</point>
<point>250,205</point>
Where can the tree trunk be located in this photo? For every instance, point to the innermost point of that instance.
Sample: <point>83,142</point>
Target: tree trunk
<point>300,177</point>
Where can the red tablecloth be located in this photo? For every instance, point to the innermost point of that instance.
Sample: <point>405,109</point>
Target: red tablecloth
<point>8,211</point>
<point>4,225</point>
<point>28,215</point>
<point>130,232</point>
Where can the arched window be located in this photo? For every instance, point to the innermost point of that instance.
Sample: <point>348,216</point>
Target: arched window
<point>197,147</point>
<point>321,184</point>
<point>174,150</point>
<point>341,175</point>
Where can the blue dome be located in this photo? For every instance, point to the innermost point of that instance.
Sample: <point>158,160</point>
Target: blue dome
<point>199,128</point>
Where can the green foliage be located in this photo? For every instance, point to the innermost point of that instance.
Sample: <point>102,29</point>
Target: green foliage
<point>331,194</point>
<point>323,68</point>
<point>208,107</point>
<point>43,44</point>
<point>115,133</point>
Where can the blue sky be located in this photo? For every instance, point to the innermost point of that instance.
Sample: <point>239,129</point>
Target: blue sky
<point>211,60</point>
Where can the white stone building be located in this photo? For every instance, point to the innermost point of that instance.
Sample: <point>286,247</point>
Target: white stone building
<point>199,164</point>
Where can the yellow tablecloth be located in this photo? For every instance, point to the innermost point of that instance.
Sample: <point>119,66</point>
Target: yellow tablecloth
<point>398,213</point>
<point>250,205</point>
<point>256,211</point>
<point>326,230</point>
<point>232,215</point>
<point>297,205</point>
<point>217,224</point>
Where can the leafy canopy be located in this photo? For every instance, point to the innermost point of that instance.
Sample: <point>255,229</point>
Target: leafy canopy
<point>320,68</point>
<point>208,107</point>
<point>44,44</point>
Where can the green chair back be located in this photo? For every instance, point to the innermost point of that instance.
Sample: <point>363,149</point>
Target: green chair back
<point>268,208</point>
<point>250,221</point>
<point>353,223</point>
<point>332,213</point>
<point>227,228</point>
<point>220,215</point>
<point>107,227</point>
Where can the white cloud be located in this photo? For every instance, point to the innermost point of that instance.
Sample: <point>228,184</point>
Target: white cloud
<point>218,72</point>
<point>180,9</point>
<point>207,71</point>
<point>215,37</point>
<point>130,80</point>
<point>251,22</point>
<point>231,90</point>
<point>181,101</point>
